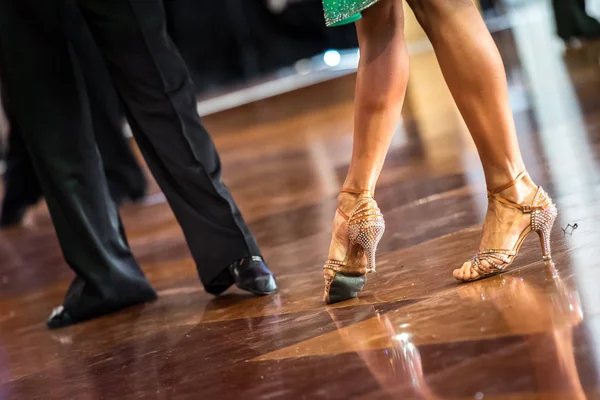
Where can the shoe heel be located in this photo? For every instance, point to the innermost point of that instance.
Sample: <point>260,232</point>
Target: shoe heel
<point>368,238</point>
<point>542,222</point>
<point>344,287</point>
<point>366,231</point>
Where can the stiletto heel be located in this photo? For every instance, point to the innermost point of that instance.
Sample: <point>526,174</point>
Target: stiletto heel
<point>344,279</point>
<point>543,214</point>
<point>542,223</point>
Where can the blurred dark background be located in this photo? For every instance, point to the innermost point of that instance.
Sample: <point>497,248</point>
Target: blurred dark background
<point>233,41</point>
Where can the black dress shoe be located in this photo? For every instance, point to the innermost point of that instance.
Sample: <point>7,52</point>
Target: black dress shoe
<point>250,274</point>
<point>60,317</point>
<point>253,275</point>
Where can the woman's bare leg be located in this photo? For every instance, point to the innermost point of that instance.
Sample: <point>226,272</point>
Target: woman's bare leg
<point>475,75</point>
<point>380,88</point>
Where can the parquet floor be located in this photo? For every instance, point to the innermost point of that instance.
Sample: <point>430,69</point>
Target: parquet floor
<point>531,333</point>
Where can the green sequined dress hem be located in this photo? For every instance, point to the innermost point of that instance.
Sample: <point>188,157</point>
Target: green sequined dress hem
<point>342,12</point>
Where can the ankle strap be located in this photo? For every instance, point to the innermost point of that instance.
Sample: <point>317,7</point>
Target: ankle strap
<point>525,208</point>
<point>357,191</point>
<point>508,185</point>
<point>346,216</point>
<point>353,191</point>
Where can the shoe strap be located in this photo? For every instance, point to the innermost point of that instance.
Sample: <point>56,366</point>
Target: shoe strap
<point>508,185</point>
<point>335,265</point>
<point>346,216</point>
<point>353,191</point>
<point>509,203</point>
<point>525,208</point>
<point>357,191</point>
<point>342,267</point>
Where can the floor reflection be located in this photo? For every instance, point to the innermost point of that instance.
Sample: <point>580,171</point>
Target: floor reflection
<point>397,367</point>
<point>547,312</point>
<point>556,309</point>
<point>414,333</point>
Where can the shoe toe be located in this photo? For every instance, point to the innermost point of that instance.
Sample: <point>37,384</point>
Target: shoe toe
<point>59,318</point>
<point>264,285</point>
<point>255,277</point>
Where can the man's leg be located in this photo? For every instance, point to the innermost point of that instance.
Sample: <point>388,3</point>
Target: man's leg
<point>154,83</point>
<point>21,185</point>
<point>46,92</point>
<point>572,20</point>
<point>587,25</point>
<point>125,177</point>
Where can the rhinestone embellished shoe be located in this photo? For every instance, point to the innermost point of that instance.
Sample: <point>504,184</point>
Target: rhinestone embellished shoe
<point>344,279</point>
<point>543,213</point>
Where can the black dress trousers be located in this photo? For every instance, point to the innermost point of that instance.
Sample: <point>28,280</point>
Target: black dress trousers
<point>572,20</point>
<point>159,96</point>
<point>47,97</point>
<point>45,86</point>
<point>125,177</point>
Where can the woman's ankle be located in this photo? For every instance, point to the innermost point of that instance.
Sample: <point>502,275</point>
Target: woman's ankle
<point>499,175</point>
<point>346,201</point>
<point>521,192</point>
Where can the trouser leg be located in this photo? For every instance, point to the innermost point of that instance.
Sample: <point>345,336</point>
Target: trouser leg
<point>45,88</point>
<point>124,175</point>
<point>155,85</point>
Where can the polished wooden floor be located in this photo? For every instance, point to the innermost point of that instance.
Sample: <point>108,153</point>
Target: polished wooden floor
<point>532,333</point>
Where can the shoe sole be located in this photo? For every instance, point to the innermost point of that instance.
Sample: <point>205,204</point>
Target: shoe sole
<point>258,292</point>
<point>345,287</point>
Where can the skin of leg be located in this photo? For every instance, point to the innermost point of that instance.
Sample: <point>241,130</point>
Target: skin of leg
<point>475,75</point>
<point>380,88</point>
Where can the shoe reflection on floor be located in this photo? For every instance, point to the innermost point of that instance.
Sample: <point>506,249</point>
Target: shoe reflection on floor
<point>398,368</point>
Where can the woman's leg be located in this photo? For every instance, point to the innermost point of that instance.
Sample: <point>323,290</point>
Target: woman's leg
<point>380,88</point>
<point>475,75</point>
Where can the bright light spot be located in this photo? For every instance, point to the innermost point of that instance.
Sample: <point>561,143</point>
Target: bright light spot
<point>404,325</point>
<point>332,58</point>
<point>402,337</point>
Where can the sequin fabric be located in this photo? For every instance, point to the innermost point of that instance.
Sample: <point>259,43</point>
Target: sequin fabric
<point>337,11</point>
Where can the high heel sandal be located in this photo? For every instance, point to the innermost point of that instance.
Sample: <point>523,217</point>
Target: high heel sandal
<point>344,279</point>
<point>543,213</point>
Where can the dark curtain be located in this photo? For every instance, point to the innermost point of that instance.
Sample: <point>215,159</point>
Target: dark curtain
<point>231,41</point>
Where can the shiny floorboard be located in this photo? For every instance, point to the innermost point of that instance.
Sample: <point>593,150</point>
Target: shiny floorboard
<point>531,333</point>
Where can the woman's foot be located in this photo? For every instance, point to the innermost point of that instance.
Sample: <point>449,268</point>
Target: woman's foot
<point>357,228</point>
<point>339,237</point>
<point>503,225</point>
<point>338,248</point>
